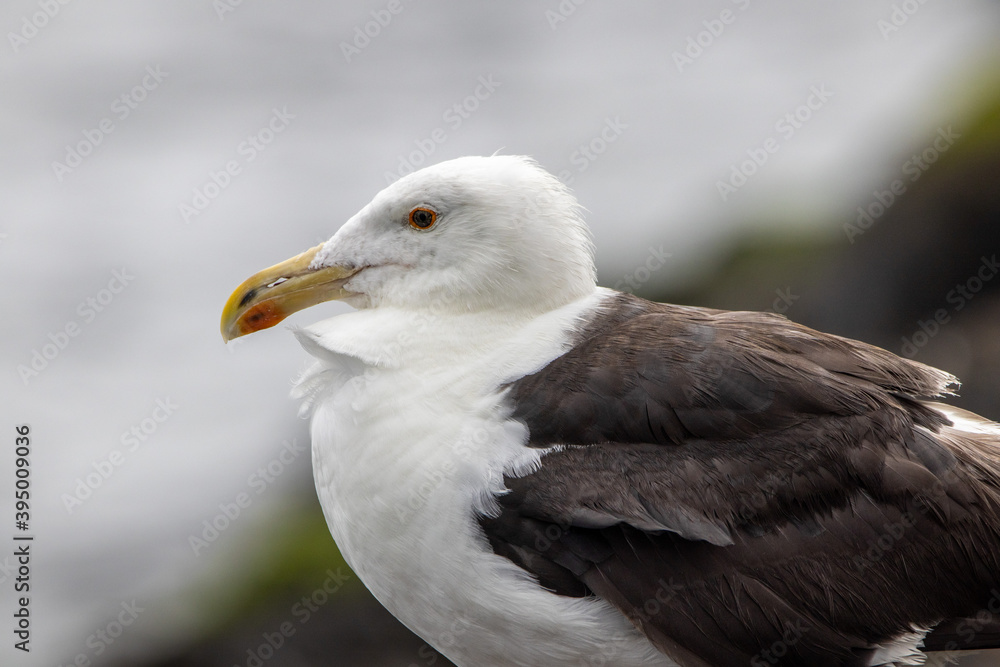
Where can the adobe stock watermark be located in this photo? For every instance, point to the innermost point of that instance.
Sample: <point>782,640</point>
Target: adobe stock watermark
<point>454,117</point>
<point>258,482</point>
<point>31,25</point>
<point>969,629</point>
<point>942,658</point>
<point>587,152</point>
<point>223,7</point>
<point>663,596</point>
<point>889,539</point>
<point>913,168</point>
<point>104,637</point>
<point>302,611</point>
<point>58,341</point>
<point>783,301</point>
<point>607,654</point>
<point>786,127</point>
<point>364,34</point>
<point>419,325</point>
<point>697,44</point>
<point>957,297</point>
<point>894,532</point>
<point>772,655</point>
<point>248,150</point>
<point>562,12</point>
<point>131,440</point>
<point>121,108</point>
<point>899,16</point>
<point>431,480</point>
<point>448,637</point>
<point>655,261</point>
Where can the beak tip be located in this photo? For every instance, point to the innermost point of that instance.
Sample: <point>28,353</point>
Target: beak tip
<point>269,296</point>
<point>226,326</point>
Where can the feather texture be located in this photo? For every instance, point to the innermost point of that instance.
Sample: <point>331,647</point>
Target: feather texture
<point>737,484</point>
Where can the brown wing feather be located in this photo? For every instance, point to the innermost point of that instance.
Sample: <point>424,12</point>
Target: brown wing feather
<point>736,484</point>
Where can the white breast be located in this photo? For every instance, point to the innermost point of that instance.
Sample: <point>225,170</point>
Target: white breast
<point>410,444</point>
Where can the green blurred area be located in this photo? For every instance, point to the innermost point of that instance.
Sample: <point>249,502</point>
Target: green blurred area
<point>293,559</point>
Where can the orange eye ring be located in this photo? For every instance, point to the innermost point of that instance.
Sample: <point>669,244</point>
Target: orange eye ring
<point>422,218</point>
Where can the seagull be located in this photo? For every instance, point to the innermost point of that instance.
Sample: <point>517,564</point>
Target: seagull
<point>528,469</point>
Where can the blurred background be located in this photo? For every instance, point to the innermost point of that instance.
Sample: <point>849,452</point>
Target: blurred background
<point>838,162</point>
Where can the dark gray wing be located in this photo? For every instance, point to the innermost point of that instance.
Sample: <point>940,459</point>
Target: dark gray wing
<point>735,483</point>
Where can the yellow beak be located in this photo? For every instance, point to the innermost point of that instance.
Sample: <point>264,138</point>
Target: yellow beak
<point>268,297</point>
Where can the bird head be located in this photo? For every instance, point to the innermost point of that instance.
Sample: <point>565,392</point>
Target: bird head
<point>465,235</point>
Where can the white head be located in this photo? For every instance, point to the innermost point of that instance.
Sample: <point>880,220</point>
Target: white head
<point>503,232</point>
<point>464,235</point>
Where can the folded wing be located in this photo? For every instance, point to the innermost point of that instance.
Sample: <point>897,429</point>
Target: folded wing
<point>737,484</point>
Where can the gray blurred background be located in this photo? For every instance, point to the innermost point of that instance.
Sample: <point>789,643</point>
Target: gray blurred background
<point>834,161</point>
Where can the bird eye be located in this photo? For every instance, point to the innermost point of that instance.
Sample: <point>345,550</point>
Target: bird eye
<point>422,218</point>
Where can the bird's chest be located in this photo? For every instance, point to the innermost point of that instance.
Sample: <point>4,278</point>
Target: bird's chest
<point>407,458</point>
<point>403,462</point>
<point>403,467</point>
